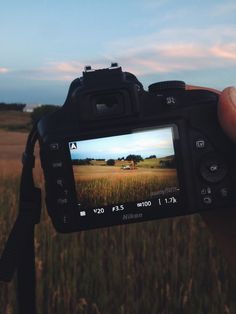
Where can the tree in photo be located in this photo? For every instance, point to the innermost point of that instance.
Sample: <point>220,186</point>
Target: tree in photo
<point>134,158</point>
<point>151,157</point>
<point>110,162</point>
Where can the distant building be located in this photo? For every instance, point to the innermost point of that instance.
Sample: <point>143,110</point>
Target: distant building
<point>31,107</point>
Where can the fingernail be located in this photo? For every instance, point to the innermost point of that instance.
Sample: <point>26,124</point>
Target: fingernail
<point>232,94</point>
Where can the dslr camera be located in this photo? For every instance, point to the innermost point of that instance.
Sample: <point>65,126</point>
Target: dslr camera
<point>117,154</point>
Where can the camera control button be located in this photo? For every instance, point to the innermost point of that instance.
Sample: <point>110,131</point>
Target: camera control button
<point>54,146</point>
<point>224,193</point>
<point>213,169</point>
<point>200,144</point>
<point>62,201</point>
<point>65,192</point>
<point>65,219</point>
<point>207,200</point>
<point>205,190</point>
<point>60,182</point>
<point>57,164</point>
<point>206,195</point>
<point>166,85</point>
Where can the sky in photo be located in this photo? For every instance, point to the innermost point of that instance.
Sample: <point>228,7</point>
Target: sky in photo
<point>150,142</point>
<point>45,44</point>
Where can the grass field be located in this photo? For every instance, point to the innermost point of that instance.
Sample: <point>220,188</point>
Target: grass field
<point>172,266</point>
<point>104,185</point>
<point>15,121</point>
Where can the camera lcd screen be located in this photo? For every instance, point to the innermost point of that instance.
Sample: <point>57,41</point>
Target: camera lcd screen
<point>135,167</point>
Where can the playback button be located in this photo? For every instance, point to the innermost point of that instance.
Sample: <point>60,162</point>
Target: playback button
<point>213,169</point>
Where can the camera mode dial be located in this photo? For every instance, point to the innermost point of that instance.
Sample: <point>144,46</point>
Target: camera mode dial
<point>166,85</point>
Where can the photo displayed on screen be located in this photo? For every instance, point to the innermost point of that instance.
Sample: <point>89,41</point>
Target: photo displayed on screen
<point>125,168</point>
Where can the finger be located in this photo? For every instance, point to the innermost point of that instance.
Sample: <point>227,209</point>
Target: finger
<point>227,112</point>
<point>226,108</point>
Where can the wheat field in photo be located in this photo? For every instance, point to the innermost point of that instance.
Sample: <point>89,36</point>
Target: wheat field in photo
<point>104,185</point>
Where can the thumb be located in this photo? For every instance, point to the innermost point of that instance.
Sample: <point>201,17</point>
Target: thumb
<point>227,112</point>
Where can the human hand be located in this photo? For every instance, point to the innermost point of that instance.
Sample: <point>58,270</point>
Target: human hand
<point>226,108</point>
<point>227,112</point>
<point>222,223</point>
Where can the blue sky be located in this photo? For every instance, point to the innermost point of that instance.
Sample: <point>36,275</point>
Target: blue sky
<point>45,44</point>
<point>147,143</point>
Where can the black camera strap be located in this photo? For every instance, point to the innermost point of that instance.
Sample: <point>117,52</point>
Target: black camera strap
<point>19,250</point>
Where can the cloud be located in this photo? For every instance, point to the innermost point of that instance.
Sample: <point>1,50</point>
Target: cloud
<point>59,71</point>
<point>177,49</point>
<point>62,70</point>
<point>140,146</point>
<point>3,70</point>
<point>155,4</point>
<point>224,9</point>
<point>153,143</point>
<point>169,50</point>
<point>227,52</point>
<point>66,67</point>
<point>51,71</point>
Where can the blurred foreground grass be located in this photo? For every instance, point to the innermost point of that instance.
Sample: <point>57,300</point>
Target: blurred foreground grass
<point>15,120</point>
<point>168,266</point>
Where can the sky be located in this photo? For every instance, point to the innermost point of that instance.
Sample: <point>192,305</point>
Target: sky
<point>45,44</point>
<point>150,142</point>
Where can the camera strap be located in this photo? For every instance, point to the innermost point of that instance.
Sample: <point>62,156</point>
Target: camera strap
<point>19,251</point>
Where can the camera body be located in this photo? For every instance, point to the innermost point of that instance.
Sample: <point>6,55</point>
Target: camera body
<point>117,154</point>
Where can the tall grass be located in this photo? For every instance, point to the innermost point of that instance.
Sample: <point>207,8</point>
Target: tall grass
<point>164,267</point>
<point>120,189</point>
